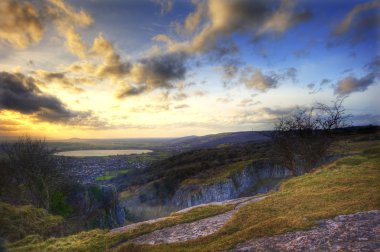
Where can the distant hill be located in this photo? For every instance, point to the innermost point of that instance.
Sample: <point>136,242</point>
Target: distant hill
<point>217,140</point>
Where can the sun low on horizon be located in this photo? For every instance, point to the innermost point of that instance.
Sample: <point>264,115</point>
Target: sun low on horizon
<point>166,68</point>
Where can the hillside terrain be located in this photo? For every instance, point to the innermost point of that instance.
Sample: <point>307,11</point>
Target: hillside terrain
<point>341,188</point>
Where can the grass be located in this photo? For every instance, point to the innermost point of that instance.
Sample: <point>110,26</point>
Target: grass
<point>346,186</point>
<point>220,176</point>
<point>16,222</point>
<point>100,240</point>
<point>111,174</point>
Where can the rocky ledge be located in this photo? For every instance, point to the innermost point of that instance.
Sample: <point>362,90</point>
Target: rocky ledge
<point>355,232</point>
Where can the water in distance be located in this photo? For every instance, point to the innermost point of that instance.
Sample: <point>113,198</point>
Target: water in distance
<point>99,153</point>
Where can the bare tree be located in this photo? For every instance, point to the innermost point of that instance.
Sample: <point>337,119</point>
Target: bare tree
<point>31,165</point>
<point>301,139</point>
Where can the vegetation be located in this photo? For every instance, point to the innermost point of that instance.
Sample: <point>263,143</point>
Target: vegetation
<point>18,221</point>
<point>343,187</point>
<point>30,167</point>
<point>301,140</point>
<point>100,240</point>
<point>111,175</point>
<point>167,175</point>
<point>221,175</point>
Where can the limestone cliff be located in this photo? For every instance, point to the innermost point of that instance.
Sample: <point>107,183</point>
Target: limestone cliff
<point>258,177</point>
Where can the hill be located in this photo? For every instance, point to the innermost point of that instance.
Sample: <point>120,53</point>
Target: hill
<point>343,187</point>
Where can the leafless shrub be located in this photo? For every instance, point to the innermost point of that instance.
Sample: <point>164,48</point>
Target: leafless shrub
<point>301,139</point>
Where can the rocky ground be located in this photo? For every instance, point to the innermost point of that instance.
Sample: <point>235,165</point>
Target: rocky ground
<point>188,231</point>
<point>355,232</point>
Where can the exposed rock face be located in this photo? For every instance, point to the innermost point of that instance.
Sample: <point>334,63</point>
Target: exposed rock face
<point>99,206</point>
<point>259,177</point>
<point>355,232</point>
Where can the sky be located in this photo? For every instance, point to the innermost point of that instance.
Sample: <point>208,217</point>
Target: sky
<point>165,68</point>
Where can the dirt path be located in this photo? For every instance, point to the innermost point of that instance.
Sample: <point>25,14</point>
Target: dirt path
<point>188,231</point>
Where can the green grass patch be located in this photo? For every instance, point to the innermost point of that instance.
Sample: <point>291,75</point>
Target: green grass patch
<point>220,175</point>
<point>111,174</point>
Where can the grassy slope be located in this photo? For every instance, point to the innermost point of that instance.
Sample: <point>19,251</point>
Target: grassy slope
<point>99,240</point>
<point>346,186</point>
<point>18,221</point>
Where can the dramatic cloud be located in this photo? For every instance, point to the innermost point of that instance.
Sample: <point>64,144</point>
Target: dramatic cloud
<point>20,24</point>
<point>256,79</point>
<point>224,18</point>
<point>159,71</point>
<point>23,23</point>
<point>112,65</point>
<point>66,20</point>
<point>351,84</point>
<point>45,78</point>
<point>19,93</point>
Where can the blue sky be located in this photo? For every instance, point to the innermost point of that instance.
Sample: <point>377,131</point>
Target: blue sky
<point>115,68</point>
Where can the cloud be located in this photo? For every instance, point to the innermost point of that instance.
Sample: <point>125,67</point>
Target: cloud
<point>352,84</point>
<point>310,86</point>
<point>166,5</point>
<point>223,18</point>
<point>20,24</point>
<point>66,20</point>
<point>194,19</point>
<point>45,78</point>
<point>181,106</point>
<point>248,102</point>
<point>348,20</point>
<point>264,115</point>
<point>112,65</point>
<point>256,79</point>
<point>155,72</point>
<point>324,82</point>
<point>356,25</point>
<point>230,68</point>
<point>366,119</point>
<point>180,96</point>
<point>374,65</point>
<point>19,93</point>
<point>74,43</point>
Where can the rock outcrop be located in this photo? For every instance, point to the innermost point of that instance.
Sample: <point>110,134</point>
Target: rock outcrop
<point>98,206</point>
<point>259,177</point>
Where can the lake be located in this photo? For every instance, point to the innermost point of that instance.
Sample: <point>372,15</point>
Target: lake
<point>99,153</point>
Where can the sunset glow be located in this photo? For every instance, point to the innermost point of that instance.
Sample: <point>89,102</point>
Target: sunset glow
<point>162,68</point>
